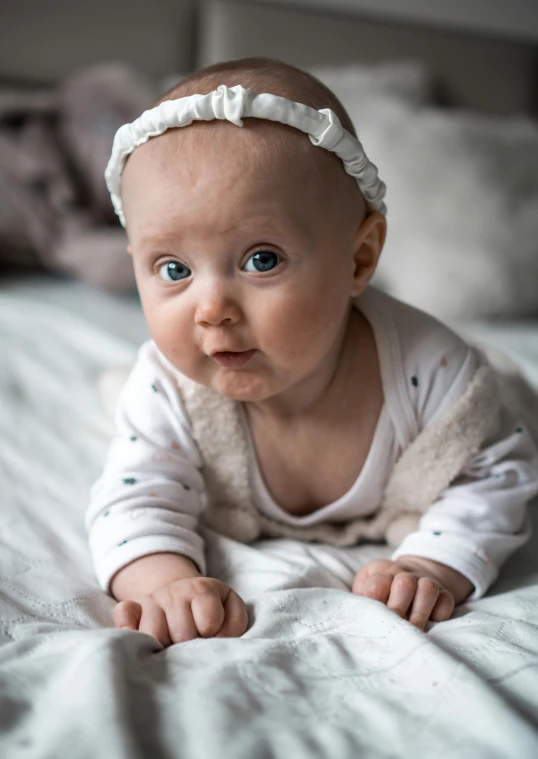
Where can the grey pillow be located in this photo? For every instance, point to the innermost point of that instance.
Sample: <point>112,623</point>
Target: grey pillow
<point>462,198</point>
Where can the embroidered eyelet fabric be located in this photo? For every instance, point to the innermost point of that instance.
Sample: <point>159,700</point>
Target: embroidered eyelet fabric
<point>323,128</point>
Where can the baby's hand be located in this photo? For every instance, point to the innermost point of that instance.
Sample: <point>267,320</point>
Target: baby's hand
<point>185,609</point>
<point>414,588</point>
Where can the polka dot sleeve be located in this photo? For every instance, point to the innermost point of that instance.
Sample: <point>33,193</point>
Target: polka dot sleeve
<point>481,518</point>
<point>148,498</point>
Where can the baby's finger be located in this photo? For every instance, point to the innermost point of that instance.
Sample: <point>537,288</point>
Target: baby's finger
<point>154,622</point>
<point>402,592</point>
<point>236,619</point>
<point>181,625</point>
<point>375,567</point>
<point>428,592</point>
<point>444,607</point>
<point>377,587</point>
<point>208,613</point>
<point>127,614</point>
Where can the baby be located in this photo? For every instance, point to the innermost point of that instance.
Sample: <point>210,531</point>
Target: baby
<point>281,394</point>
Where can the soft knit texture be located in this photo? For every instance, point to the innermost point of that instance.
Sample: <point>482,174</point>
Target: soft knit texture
<point>424,470</point>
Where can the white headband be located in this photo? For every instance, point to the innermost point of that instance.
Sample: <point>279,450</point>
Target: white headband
<point>232,103</point>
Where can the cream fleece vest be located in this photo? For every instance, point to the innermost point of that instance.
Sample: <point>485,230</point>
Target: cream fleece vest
<point>425,468</point>
<point>428,464</point>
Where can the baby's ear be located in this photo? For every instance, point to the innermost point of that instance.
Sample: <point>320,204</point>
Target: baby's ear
<point>368,245</point>
<point>129,250</point>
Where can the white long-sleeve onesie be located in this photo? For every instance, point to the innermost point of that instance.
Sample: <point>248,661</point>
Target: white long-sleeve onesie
<point>149,496</point>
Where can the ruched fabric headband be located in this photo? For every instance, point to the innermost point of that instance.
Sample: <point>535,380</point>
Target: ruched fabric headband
<point>323,127</point>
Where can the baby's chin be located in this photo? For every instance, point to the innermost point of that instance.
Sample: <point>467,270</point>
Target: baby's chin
<point>239,385</point>
<point>245,384</point>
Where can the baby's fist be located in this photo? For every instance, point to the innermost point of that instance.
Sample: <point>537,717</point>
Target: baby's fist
<point>412,593</point>
<point>186,609</point>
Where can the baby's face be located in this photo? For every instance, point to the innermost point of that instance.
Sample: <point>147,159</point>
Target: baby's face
<point>240,255</point>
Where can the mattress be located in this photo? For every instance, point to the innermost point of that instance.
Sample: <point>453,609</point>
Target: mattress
<point>320,672</point>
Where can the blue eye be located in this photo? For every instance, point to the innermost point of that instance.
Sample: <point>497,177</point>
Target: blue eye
<point>173,271</point>
<point>263,260</point>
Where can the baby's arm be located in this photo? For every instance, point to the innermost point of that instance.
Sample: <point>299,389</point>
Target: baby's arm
<point>481,519</point>
<point>149,573</point>
<point>476,524</point>
<point>143,515</point>
<point>465,537</point>
<point>148,498</point>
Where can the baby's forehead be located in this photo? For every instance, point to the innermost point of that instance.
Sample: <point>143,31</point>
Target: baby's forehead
<point>261,154</point>
<point>264,149</point>
<point>258,137</point>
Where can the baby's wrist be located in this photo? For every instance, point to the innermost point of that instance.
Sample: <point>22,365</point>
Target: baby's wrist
<point>452,580</point>
<point>151,572</point>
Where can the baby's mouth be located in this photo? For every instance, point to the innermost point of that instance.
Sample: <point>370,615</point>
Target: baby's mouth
<point>233,359</point>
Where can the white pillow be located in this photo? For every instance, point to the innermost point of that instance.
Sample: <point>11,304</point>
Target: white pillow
<point>462,199</point>
<point>408,81</point>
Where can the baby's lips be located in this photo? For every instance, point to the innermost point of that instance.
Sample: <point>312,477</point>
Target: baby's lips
<point>233,359</point>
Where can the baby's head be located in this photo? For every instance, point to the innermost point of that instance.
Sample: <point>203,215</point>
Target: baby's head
<point>248,239</point>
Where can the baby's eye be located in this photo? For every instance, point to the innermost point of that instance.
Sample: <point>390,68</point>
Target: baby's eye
<point>263,260</point>
<point>173,271</point>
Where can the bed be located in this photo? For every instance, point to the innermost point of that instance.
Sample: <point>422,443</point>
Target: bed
<point>319,672</point>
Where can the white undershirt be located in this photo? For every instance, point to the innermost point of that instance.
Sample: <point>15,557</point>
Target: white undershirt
<point>148,498</point>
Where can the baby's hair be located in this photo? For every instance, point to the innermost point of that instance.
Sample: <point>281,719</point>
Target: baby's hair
<point>277,78</point>
<point>262,75</point>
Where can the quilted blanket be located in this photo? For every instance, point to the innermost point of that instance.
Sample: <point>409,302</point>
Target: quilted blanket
<point>319,672</point>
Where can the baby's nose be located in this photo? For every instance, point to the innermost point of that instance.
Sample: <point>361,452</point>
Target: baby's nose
<point>216,307</point>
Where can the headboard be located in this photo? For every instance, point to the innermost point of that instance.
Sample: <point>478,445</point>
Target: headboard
<point>480,68</point>
<point>483,71</point>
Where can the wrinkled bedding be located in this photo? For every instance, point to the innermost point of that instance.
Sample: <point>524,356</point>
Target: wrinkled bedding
<point>319,673</point>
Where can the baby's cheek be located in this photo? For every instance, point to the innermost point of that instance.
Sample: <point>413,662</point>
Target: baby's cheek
<point>173,334</point>
<point>281,329</point>
<point>300,328</point>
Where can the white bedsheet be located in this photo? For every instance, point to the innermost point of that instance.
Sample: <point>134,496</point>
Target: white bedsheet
<point>319,673</point>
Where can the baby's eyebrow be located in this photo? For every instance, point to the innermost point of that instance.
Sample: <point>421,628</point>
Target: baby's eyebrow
<point>149,243</point>
<point>254,225</point>
<point>148,248</point>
